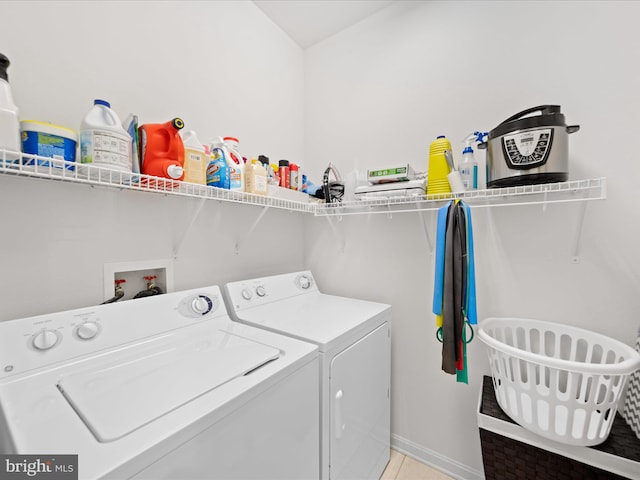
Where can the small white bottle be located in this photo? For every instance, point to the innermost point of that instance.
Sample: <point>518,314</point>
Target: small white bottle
<point>469,169</point>
<point>9,122</point>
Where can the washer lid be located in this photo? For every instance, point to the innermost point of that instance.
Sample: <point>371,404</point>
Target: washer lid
<point>116,399</point>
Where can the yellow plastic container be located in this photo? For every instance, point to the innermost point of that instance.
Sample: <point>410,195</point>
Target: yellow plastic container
<point>437,181</point>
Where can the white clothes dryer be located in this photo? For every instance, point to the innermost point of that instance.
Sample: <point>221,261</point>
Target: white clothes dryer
<point>163,387</point>
<point>354,338</point>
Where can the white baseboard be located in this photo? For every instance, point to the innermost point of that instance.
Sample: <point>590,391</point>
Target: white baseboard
<point>446,465</point>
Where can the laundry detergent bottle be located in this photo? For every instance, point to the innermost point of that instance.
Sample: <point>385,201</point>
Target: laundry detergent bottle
<point>236,164</point>
<point>255,177</point>
<point>195,159</point>
<point>218,167</point>
<point>9,122</point>
<point>162,149</point>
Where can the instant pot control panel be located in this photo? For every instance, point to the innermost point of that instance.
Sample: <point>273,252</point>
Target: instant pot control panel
<point>528,149</point>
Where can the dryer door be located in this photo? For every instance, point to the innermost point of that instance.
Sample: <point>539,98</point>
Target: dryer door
<point>360,407</point>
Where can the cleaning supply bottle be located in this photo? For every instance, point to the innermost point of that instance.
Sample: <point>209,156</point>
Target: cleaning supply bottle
<point>469,166</point>
<point>103,140</point>
<point>195,159</point>
<point>218,167</point>
<point>294,177</point>
<point>9,123</point>
<point>162,150</point>
<point>437,181</point>
<point>236,164</point>
<point>130,124</point>
<point>283,173</point>
<point>274,174</point>
<point>255,178</point>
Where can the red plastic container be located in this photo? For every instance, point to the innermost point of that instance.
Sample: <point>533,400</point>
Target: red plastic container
<point>162,150</point>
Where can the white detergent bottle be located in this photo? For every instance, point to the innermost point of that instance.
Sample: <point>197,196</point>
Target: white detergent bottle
<point>236,164</point>
<point>9,123</point>
<point>103,140</point>
<point>195,159</point>
<point>255,178</point>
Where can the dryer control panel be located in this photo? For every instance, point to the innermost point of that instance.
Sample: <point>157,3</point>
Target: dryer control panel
<point>259,291</point>
<point>33,342</point>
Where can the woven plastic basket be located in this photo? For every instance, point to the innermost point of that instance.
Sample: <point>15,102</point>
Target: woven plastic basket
<point>558,381</point>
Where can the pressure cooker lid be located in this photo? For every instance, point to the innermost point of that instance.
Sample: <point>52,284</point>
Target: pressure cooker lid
<point>550,116</point>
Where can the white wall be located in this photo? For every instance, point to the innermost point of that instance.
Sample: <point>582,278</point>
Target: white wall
<point>381,91</point>
<point>223,67</point>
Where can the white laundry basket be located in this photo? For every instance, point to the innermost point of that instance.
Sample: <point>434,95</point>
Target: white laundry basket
<point>561,382</point>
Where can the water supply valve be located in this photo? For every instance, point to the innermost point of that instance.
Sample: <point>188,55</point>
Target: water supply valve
<point>152,289</point>
<point>118,291</point>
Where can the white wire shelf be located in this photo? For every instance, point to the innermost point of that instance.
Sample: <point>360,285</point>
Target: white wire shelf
<point>60,170</point>
<point>572,191</point>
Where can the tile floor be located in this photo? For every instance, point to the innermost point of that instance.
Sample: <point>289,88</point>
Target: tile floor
<point>402,467</point>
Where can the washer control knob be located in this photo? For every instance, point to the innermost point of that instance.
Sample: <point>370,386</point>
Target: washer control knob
<point>202,305</point>
<point>45,339</point>
<point>304,282</point>
<point>87,330</point>
<point>246,294</point>
<point>260,291</point>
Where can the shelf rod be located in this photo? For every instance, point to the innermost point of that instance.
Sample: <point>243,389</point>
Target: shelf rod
<point>176,249</point>
<point>426,231</point>
<point>578,236</point>
<point>251,229</point>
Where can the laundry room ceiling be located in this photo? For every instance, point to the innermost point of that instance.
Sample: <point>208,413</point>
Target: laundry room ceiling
<point>308,22</point>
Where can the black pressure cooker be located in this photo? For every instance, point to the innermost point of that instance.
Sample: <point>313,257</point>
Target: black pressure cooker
<point>526,150</point>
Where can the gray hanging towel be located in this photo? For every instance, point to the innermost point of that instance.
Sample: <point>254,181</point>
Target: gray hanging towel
<point>455,270</point>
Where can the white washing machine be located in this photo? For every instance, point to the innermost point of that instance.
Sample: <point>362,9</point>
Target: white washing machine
<point>163,387</point>
<point>354,337</point>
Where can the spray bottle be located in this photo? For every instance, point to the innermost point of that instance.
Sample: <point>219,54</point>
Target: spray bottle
<point>469,166</point>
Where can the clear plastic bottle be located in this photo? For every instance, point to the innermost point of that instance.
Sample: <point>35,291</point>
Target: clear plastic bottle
<point>9,122</point>
<point>103,140</point>
<point>469,169</point>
